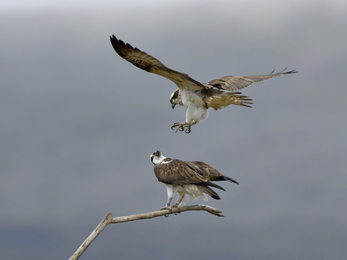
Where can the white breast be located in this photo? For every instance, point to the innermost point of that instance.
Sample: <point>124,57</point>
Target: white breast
<point>196,112</point>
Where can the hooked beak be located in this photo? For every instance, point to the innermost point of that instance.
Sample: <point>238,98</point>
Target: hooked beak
<point>173,106</point>
<point>156,153</point>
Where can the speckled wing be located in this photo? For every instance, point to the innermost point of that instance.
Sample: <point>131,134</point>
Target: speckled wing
<point>234,83</point>
<point>148,63</point>
<point>209,172</point>
<point>219,99</point>
<point>177,172</point>
<point>204,170</point>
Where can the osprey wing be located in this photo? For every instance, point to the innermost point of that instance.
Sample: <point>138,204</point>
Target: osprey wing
<point>219,99</point>
<point>148,63</point>
<point>211,173</point>
<point>233,83</point>
<point>177,172</point>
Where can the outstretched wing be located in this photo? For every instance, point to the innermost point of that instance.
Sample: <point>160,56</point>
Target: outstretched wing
<point>233,83</point>
<point>148,63</point>
<point>219,99</point>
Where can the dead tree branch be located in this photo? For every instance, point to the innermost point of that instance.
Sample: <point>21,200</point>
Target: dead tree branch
<point>110,220</point>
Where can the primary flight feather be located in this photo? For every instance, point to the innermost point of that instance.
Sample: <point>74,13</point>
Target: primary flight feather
<point>196,97</point>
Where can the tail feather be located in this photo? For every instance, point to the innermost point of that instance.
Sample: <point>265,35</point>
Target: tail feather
<point>206,184</point>
<point>210,192</point>
<point>223,99</point>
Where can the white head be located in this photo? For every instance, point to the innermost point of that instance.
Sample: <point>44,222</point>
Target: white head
<point>175,98</point>
<point>157,157</point>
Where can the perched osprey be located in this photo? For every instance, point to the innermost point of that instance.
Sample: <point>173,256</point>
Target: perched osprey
<point>195,96</point>
<point>186,178</point>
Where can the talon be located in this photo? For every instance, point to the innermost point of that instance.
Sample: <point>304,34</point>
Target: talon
<point>174,206</point>
<point>174,126</point>
<point>182,127</point>
<point>166,208</point>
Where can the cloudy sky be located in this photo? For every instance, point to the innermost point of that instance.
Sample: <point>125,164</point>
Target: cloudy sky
<point>78,124</point>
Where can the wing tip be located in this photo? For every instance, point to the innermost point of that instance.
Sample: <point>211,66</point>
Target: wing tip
<point>283,72</point>
<point>121,47</point>
<point>232,180</point>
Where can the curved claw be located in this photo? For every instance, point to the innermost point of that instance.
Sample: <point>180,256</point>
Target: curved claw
<point>181,127</point>
<point>174,126</point>
<point>166,208</point>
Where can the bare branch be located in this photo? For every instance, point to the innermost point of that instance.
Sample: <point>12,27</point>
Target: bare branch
<point>91,237</point>
<point>109,220</point>
<point>167,212</point>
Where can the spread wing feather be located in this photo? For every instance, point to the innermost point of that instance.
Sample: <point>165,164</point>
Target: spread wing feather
<point>233,83</point>
<point>148,63</point>
<point>218,99</point>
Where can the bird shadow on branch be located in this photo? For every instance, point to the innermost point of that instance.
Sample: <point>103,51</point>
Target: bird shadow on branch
<point>114,220</point>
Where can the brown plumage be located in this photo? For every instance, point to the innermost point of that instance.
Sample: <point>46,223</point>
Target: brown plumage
<point>195,96</point>
<point>192,178</point>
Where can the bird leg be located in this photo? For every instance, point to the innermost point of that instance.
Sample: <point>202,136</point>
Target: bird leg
<point>184,126</point>
<point>179,200</point>
<point>169,199</point>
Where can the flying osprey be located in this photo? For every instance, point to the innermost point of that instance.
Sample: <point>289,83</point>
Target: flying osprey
<point>195,96</point>
<point>186,178</point>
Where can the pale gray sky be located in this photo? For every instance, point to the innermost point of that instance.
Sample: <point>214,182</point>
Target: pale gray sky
<point>78,124</point>
<point>85,4</point>
<point>35,5</point>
